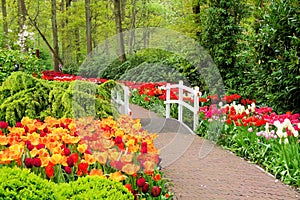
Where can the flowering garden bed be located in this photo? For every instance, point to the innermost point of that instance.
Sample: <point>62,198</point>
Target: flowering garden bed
<point>62,150</point>
<point>65,150</point>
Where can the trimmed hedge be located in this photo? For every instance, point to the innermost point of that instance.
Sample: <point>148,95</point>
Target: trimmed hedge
<point>21,184</point>
<point>94,187</point>
<point>16,183</point>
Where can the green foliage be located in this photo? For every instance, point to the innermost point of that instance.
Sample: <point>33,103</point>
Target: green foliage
<point>94,188</point>
<point>154,72</point>
<point>22,95</point>
<point>154,65</point>
<point>268,63</point>
<point>221,31</point>
<point>16,184</point>
<point>28,63</point>
<point>19,183</point>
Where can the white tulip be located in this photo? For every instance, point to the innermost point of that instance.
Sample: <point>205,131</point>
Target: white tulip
<point>295,133</point>
<point>286,141</point>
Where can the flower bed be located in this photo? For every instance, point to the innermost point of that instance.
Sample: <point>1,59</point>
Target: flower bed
<point>258,134</point>
<point>62,150</point>
<point>59,76</point>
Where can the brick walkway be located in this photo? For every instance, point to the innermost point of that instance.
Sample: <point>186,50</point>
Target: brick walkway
<point>199,169</point>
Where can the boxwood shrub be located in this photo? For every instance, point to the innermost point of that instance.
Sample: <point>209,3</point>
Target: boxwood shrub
<point>94,187</point>
<point>16,183</point>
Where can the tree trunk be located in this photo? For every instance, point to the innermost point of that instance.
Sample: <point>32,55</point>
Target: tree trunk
<point>22,13</point>
<point>77,42</point>
<point>120,40</point>
<point>63,31</point>
<point>88,26</point>
<point>133,26</point>
<point>21,3</point>
<point>5,25</point>
<point>145,16</point>
<point>123,9</point>
<point>55,36</point>
<point>68,40</point>
<point>196,12</point>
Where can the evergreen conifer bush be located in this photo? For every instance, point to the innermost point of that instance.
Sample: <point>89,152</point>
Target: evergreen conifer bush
<point>23,95</point>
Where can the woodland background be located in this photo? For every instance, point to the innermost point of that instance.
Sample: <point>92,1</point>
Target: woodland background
<point>254,43</point>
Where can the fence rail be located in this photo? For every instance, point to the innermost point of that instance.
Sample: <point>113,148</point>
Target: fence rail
<point>120,98</point>
<point>181,88</point>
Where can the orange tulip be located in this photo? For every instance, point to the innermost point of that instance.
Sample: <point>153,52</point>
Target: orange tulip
<point>107,144</point>
<point>157,177</point>
<point>50,121</point>
<point>58,159</point>
<point>43,153</point>
<point>90,159</point>
<point>56,149</point>
<point>34,152</point>
<point>3,140</point>
<point>72,127</point>
<point>127,158</point>
<point>17,148</point>
<point>101,157</point>
<point>70,139</point>
<point>149,167</point>
<point>130,169</point>
<point>45,161</point>
<point>96,172</point>
<point>26,120</point>
<point>82,148</point>
<point>16,130</point>
<point>33,138</point>
<point>117,176</point>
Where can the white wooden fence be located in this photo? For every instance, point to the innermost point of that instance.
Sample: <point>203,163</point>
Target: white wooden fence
<point>121,99</point>
<point>183,89</point>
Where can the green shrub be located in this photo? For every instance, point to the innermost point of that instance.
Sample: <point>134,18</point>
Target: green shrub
<point>22,95</point>
<point>94,188</point>
<point>28,63</point>
<point>21,184</point>
<point>267,66</point>
<point>148,72</point>
<point>156,65</point>
<point>16,183</point>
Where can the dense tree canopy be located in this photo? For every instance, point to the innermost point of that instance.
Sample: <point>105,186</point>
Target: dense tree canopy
<point>255,43</point>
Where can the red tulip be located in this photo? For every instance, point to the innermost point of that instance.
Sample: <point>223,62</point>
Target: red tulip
<point>155,191</point>
<point>140,182</point>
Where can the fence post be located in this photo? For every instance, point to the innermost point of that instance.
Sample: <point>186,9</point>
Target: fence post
<point>168,94</point>
<point>126,100</point>
<point>119,99</point>
<point>196,107</point>
<point>180,100</point>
